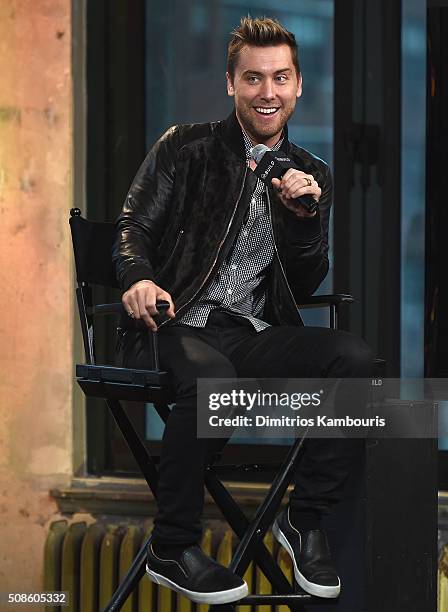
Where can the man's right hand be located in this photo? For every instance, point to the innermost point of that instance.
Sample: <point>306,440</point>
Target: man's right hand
<point>140,299</point>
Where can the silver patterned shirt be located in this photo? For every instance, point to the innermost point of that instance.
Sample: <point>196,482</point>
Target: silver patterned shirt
<point>234,287</point>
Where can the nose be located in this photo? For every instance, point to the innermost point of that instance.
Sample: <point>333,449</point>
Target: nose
<point>267,91</point>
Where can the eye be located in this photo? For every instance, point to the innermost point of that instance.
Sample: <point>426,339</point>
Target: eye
<point>252,79</point>
<point>281,78</point>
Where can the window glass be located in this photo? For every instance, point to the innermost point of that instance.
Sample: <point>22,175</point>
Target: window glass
<point>413,125</point>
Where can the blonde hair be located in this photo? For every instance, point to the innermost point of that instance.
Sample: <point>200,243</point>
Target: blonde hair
<point>259,32</point>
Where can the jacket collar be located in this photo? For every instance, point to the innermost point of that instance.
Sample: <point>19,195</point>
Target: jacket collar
<point>230,131</point>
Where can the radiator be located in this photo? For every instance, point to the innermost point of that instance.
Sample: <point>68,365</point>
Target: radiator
<point>89,561</point>
<point>443,581</point>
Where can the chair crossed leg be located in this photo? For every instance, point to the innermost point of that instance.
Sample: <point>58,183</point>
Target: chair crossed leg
<point>250,533</point>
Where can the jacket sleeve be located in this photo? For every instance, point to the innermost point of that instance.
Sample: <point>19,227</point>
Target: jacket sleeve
<point>141,223</point>
<point>307,245</point>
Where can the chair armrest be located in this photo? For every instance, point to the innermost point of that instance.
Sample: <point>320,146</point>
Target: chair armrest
<point>117,308</point>
<point>130,376</point>
<point>113,383</point>
<point>105,309</point>
<point>317,301</point>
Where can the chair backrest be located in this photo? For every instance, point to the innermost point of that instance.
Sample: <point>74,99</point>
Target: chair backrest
<point>92,246</point>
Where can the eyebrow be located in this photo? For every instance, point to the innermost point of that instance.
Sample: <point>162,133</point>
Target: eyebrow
<point>282,70</point>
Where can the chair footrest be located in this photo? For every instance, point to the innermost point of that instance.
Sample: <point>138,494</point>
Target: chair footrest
<point>245,467</point>
<point>282,599</point>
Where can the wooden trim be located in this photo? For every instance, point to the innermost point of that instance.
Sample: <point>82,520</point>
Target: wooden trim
<point>131,496</point>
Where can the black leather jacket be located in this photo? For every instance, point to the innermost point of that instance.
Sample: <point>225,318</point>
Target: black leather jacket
<point>185,207</point>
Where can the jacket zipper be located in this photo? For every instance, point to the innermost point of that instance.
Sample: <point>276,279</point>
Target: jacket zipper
<point>179,236</point>
<point>276,250</point>
<point>217,252</point>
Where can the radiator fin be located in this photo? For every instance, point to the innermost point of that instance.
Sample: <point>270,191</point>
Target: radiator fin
<point>165,599</point>
<point>285,564</point>
<point>206,543</point>
<point>130,545</point>
<point>224,554</point>
<point>250,579</point>
<point>90,564</point>
<point>71,554</point>
<point>53,558</point>
<point>147,589</point>
<point>263,586</point>
<point>443,581</point>
<point>109,551</point>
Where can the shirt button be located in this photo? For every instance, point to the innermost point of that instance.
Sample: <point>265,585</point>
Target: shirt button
<point>254,201</point>
<point>245,233</point>
<point>229,291</point>
<point>233,266</point>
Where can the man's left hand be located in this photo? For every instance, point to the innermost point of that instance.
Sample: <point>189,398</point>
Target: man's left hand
<point>293,185</point>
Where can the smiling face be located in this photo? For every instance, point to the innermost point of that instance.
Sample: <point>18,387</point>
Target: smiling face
<point>265,87</point>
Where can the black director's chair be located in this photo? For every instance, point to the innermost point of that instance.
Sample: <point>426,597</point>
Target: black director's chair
<point>92,243</point>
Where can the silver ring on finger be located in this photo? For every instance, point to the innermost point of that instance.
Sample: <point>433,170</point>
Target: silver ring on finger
<point>131,314</point>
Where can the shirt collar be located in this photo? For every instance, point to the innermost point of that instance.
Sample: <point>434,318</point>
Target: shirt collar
<point>248,144</point>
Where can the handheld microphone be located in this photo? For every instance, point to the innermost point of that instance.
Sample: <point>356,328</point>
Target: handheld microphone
<point>274,164</point>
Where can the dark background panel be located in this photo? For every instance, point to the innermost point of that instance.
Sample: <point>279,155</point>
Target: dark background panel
<point>436,277</point>
<point>115,149</point>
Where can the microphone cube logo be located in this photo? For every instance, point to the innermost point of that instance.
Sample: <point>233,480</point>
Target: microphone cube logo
<point>264,175</point>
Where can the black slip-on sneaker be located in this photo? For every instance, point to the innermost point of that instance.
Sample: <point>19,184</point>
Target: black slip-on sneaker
<point>196,576</point>
<point>313,568</point>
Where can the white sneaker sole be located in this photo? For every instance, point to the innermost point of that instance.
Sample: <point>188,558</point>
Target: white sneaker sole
<point>329,592</point>
<point>217,597</point>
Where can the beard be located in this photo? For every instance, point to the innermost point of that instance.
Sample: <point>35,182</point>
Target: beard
<point>258,128</point>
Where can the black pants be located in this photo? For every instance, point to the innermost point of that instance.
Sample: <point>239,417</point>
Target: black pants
<point>229,347</point>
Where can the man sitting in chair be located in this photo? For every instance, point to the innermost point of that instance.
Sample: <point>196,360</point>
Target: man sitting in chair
<point>233,257</point>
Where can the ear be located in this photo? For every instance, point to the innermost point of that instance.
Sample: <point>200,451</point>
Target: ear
<point>299,86</point>
<point>230,88</point>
